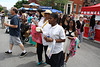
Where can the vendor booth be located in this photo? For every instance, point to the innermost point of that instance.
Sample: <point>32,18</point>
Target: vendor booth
<point>55,10</point>
<point>95,9</point>
<point>34,9</point>
<point>31,6</point>
<point>45,8</point>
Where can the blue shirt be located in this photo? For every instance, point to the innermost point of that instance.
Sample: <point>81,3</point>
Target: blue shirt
<point>15,31</point>
<point>29,19</point>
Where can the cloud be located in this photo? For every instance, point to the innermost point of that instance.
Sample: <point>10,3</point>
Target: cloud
<point>8,3</point>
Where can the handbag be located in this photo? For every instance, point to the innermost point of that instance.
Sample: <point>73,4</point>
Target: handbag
<point>36,37</point>
<point>78,31</point>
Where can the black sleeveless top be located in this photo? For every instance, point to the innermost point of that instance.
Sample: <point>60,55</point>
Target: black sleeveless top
<point>70,34</point>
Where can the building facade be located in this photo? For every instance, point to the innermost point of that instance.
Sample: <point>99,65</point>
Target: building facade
<point>73,6</point>
<point>90,2</point>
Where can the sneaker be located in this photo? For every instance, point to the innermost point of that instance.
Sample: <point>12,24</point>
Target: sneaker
<point>39,63</point>
<point>8,52</point>
<point>23,54</point>
<point>45,63</point>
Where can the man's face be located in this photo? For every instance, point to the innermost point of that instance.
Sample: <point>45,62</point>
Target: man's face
<point>12,12</point>
<point>51,20</point>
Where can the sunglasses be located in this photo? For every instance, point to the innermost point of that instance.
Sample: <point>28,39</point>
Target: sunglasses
<point>81,17</point>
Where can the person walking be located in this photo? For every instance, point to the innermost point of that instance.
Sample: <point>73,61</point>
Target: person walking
<point>70,33</point>
<point>56,35</point>
<point>15,32</point>
<point>2,19</point>
<point>91,33</point>
<point>80,28</point>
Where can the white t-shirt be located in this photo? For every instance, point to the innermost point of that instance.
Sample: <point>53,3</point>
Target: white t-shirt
<point>57,32</point>
<point>45,29</point>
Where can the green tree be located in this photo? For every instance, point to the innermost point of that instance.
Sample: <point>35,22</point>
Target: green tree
<point>56,4</point>
<point>6,11</point>
<point>1,8</point>
<point>19,4</point>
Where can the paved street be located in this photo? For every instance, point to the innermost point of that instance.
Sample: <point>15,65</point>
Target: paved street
<point>87,56</point>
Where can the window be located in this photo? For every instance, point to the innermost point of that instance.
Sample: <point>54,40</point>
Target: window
<point>80,9</point>
<point>74,8</point>
<point>69,9</point>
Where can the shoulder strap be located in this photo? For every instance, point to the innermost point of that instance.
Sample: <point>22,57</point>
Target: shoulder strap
<point>45,24</point>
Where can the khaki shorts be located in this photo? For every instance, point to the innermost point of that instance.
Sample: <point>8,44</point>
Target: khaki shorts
<point>15,40</point>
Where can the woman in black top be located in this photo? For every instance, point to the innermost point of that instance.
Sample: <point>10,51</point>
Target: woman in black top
<point>80,25</point>
<point>65,22</point>
<point>92,21</point>
<point>91,29</point>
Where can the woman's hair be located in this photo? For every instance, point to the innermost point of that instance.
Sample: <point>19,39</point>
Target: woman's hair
<point>92,21</point>
<point>93,17</point>
<point>40,15</point>
<point>23,11</point>
<point>30,14</point>
<point>55,16</point>
<point>74,29</point>
<point>64,17</point>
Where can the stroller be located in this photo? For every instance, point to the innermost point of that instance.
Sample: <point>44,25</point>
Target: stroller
<point>25,33</point>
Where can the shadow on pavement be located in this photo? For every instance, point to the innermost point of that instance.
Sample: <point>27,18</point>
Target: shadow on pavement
<point>32,64</point>
<point>28,45</point>
<point>5,56</point>
<point>91,42</point>
<point>29,54</point>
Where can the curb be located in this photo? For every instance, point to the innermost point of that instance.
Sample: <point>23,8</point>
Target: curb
<point>91,40</point>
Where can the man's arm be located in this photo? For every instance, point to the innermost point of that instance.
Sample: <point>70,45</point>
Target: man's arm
<point>12,26</point>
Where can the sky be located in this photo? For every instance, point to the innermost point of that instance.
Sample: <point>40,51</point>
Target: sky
<point>8,3</point>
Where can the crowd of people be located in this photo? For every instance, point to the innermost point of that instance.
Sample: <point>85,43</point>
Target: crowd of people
<point>60,34</point>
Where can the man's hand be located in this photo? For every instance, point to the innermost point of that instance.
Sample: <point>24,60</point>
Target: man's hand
<point>45,37</point>
<point>6,24</point>
<point>48,39</point>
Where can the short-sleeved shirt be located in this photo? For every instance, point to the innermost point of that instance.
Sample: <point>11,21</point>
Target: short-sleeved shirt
<point>29,19</point>
<point>15,31</point>
<point>45,29</point>
<point>57,32</point>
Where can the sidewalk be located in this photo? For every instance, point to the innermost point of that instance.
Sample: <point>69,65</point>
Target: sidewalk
<point>91,40</point>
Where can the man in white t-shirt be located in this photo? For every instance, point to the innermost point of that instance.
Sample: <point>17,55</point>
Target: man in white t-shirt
<point>57,36</point>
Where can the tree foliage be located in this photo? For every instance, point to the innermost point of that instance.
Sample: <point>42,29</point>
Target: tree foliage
<point>6,11</point>
<point>19,4</point>
<point>56,4</point>
<point>1,8</point>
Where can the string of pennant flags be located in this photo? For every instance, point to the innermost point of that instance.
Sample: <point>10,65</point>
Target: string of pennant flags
<point>90,12</point>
